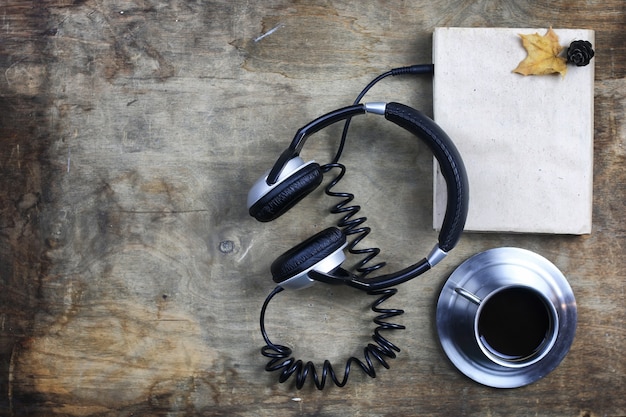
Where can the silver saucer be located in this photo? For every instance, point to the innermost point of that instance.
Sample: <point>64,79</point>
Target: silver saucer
<point>469,289</point>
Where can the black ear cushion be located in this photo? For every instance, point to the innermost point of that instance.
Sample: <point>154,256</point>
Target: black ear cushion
<point>287,194</point>
<point>303,256</point>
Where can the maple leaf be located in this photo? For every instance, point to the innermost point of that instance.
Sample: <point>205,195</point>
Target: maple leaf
<point>543,55</point>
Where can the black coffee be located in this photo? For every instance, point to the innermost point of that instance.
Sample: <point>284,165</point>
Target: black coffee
<point>514,323</point>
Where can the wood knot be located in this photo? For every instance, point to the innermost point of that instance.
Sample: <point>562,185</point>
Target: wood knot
<point>227,246</point>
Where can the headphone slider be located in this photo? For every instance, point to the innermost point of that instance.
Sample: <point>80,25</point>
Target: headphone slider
<point>435,256</point>
<point>376,107</point>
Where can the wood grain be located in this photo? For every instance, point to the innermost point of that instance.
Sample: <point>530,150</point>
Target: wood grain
<point>131,274</point>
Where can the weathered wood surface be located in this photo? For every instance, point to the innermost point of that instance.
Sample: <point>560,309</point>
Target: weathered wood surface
<point>131,275</point>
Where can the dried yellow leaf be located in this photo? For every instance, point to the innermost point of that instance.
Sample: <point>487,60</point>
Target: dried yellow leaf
<point>543,55</point>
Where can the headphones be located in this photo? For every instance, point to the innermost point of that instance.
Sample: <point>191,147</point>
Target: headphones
<point>319,258</point>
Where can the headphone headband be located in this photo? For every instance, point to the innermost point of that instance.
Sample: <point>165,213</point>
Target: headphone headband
<point>451,166</point>
<point>450,162</point>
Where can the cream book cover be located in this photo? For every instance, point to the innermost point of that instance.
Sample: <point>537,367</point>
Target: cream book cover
<point>526,141</point>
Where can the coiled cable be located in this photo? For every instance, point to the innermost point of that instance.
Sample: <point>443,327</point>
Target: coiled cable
<point>351,225</point>
<point>282,361</point>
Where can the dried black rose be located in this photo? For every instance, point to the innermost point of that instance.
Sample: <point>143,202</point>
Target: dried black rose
<point>580,53</point>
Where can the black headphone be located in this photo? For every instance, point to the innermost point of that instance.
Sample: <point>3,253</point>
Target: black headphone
<point>319,258</point>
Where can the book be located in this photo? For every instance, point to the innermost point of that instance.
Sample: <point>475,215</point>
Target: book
<point>526,141</point>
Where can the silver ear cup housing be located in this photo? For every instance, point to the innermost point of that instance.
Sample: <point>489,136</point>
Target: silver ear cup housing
<point>261,187</point>
<point>326,265</point>
<point>506,317</point>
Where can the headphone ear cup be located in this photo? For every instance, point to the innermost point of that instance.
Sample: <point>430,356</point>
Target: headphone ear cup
<point>309,253</point>
<point>287,194</point>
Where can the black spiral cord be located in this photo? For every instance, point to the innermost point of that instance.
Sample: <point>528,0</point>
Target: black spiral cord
<point>280,355</point>
<point>281,360</point>
<point>350,225</point>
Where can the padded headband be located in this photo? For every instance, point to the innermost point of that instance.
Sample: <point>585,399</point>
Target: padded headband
<point>451,165</point>
<point>414,121</point>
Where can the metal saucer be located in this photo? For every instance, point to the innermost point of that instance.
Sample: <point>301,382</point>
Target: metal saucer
<point>487,276</point>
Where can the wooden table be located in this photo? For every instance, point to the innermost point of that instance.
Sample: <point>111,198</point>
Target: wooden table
<point>131,274</point>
